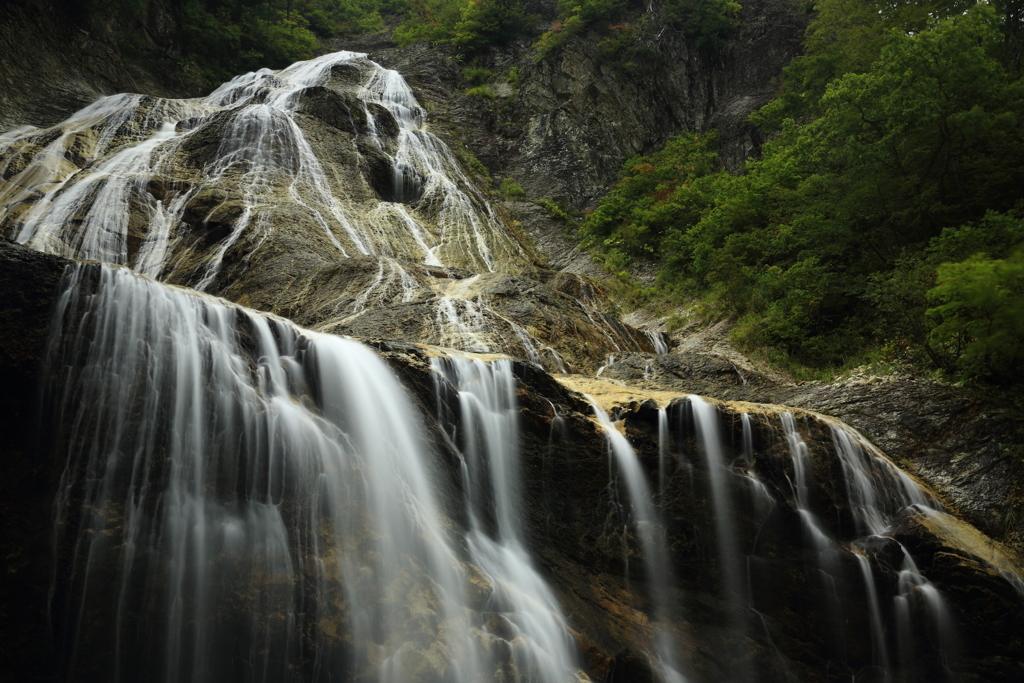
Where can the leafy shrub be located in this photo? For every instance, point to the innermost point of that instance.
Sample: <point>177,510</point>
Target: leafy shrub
<point>575,16</point>
<point>511,189</point>
<point>481,91</point>
<point>490,22</point>
<point>340,17</point>
<point>478,75</point>
<point>469,25</point>
<point>227,38</point>
<point>707,22</point>
<point>980,316</point>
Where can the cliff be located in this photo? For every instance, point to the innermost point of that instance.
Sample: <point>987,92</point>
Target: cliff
<point>210,480</point>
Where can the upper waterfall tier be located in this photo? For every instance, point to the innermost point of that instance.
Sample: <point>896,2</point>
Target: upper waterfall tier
<point>316,192</point>
<point>334,151</point>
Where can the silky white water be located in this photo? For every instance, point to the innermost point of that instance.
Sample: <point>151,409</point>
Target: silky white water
<point>245,500</point>
<point>651,530</point>
<point>478,408</point>
<point>193,191</point>
<point>263,157</point>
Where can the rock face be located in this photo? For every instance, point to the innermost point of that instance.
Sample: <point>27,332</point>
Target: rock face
<point>316,193</point>
<point>574,118</point>
<point>30,283</point>
<point>769,517</point>
<point>954,439</point>
<point>214,493</point>
<point>60,55</point>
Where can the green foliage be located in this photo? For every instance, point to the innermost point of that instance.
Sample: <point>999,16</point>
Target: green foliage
<point>227,37</point>
<point>469,25</point>
<point>481,91</point>
<point>707,22</point>
<point>980,316</point>
<point>556,210</point>
<point>429,20</point>
<point>478,75</point>
<point>511,189</point>
<point>901,150</point>
<point>655,195</point>
<point>490,22</point>
<point>340,17</point>
<point>470,161</point>
<point>575,17</point>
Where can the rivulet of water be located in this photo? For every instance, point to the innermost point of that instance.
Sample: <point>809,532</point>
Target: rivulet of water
<point>478,405</point>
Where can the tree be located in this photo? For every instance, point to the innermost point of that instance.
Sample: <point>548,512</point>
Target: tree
<point>980,316</point>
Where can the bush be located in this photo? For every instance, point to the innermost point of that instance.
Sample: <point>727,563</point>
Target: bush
<point>511,189</point>
<point>707,22</point>
<point>469,25</point>
<point>478,75</point>
<point>225,39</point>
<point>980,316</point>
<point>481,91</point>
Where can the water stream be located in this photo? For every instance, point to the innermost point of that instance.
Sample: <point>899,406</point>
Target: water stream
<point>243,499</point>
<point>244,488</point>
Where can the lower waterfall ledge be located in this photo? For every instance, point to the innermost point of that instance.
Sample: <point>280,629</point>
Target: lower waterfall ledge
<point>793,515</point>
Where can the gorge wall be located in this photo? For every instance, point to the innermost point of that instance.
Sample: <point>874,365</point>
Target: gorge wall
<point>60,55</point>
<point>202,491</point>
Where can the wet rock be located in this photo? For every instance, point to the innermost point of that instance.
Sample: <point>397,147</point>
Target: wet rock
<point>60,56</point>
<point>585,543</point>
<point>678,366</point>
<point>29,282</point>
<point>630,666</point>
<point>330,106</point>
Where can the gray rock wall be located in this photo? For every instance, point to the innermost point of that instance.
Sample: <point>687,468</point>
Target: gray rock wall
<point>577,116</point>
<point>60,55</point>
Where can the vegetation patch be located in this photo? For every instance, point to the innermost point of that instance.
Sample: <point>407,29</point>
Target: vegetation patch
<point>884,217</point>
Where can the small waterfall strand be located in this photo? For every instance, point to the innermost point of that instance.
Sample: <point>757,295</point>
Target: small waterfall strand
<point>478,408</point>
<point>651,530</point>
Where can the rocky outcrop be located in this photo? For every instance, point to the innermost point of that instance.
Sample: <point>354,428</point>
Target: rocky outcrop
<point>60,55</point>
<point>29,286</point>
<point>316,202</point>
<point>579,517</point>
<point>955,439</point>
<point>789,598</point>
<point>573,118</point>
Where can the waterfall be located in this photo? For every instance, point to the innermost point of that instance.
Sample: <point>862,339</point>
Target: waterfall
<point>186,190</point>
<point>520,603</point>
<point>731,563</point>
<point>246,500</point>
<point>264,156</point>
<point>658,341</point>
<point>650,528</point>
<point>242,499</point>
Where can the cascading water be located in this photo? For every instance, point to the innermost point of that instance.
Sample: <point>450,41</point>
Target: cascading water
<point>731,562</point>
<point>520,604</point>
<point>261,151</point>
<point>248,501</point>
<point>650,528</point>
<point>245,500</point>
<point>185,190</point>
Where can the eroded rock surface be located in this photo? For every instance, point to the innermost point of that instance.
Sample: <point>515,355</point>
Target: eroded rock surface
<point>589,549</point>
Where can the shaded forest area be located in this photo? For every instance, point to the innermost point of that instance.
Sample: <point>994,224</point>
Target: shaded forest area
<point>884,219</point>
